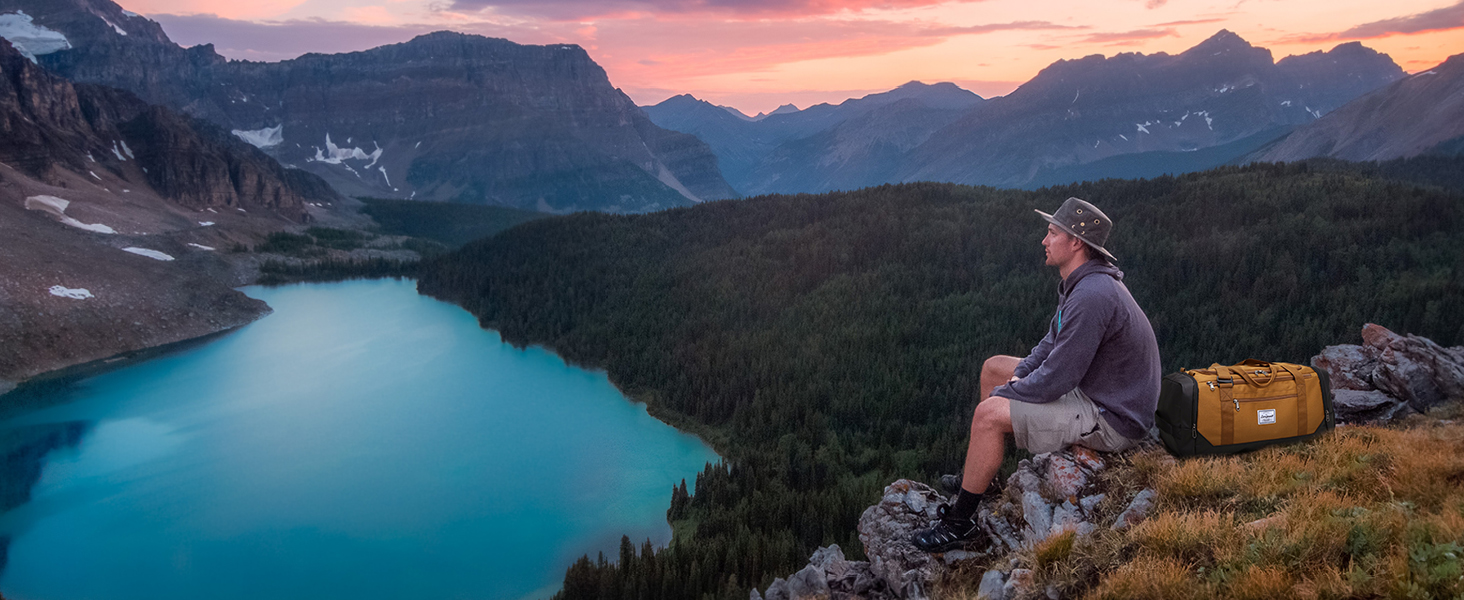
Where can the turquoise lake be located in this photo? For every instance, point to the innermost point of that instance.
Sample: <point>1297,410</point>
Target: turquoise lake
<point>361,442</point>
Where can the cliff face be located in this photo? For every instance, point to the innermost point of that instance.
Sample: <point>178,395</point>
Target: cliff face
<point>113,214</point>
<point>445,116</point>
<point>51,124</point>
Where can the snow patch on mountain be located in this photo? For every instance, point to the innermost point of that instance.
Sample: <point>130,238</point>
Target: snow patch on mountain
<point>30,39</point>
<point>265,137</point>
<point>153,254</point>
<point>114,26</point>
<point>57,208</point>
<point>72,293</point>
<point>333,154</point>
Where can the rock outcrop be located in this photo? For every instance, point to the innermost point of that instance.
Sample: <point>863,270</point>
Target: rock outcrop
<point>1049,494</point>
<point>1390,375</point>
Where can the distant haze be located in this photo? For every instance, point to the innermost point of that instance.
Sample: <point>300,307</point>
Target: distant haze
<point>756,55</point>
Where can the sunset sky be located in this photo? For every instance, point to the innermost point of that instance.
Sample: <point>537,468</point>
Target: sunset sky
<point>757,54</point>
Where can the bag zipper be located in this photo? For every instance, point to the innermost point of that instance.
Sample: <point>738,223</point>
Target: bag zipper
<point>1281,397</point>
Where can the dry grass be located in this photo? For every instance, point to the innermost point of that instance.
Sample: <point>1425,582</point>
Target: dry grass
<point>1365,512</point>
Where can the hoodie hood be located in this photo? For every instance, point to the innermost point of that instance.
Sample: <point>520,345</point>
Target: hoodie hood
<point>1092,267</point>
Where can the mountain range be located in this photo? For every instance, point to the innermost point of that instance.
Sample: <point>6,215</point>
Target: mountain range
<point>791,150</point>
<point>445,116</point>
<point>1128,115</point>
<point>1423,113</point>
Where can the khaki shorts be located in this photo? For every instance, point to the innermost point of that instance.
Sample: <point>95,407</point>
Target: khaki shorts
<point>1071,419</point>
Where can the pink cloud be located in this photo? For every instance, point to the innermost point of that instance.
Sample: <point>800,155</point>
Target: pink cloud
<point>654,53</point>
<point>1128,37</point>
<point>1442,19</point>
<point>1188,22</point>
<point>575,10</point>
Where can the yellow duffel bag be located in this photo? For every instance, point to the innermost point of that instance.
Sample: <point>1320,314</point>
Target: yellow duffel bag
<point>1226,409</point>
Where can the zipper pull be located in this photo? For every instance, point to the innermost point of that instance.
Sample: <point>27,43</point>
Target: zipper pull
<point>1194,429</point>
<point>1237,404</point>
<point>1211,384</point>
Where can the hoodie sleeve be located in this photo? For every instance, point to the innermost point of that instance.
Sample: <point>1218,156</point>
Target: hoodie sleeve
<point>1085,322</point>
<point>1039,353</point>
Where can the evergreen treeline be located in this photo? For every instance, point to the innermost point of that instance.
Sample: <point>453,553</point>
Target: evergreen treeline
<point>278,272</point>
<point>449,223</point>
<point>828,344</point>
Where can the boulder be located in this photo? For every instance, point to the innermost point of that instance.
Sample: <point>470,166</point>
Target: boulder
<point>809,584</point>
<point>886,528</point>
<point>1353,406</point>
<point>1349,366</point>
<point>1138,510</point>
<point>778,590</point>
<point>1019,585</point>
<point>1038,515</point>
<point>993,586</point>
<point>1411,370</point>
<point>829,575</point>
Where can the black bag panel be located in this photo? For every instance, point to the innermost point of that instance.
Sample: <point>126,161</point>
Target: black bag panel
<point>1176,411</point>
<point>1329,418</point>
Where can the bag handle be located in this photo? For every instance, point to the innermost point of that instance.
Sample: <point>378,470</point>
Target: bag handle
<point>1224,372</point>
<point>1301,396</point>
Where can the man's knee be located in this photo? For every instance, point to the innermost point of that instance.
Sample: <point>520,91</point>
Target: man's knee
<point>992,414</point>
<point>999,368</point>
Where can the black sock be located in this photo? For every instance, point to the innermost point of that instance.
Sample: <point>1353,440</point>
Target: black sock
<point>965,507</point>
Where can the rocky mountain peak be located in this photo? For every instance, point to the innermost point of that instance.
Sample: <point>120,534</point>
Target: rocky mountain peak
<point>1223,40</point>
<point>1226,52</point>
<point>781,110</point>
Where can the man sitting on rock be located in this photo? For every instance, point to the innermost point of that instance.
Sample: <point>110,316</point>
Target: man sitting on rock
<point>1093,380</point>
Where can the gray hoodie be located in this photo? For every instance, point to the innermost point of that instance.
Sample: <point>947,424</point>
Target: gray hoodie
<point>1099,341</point>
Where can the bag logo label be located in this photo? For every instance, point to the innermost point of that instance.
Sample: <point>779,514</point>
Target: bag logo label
<point>1266,417</point>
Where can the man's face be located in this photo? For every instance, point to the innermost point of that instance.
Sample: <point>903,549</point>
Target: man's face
<point>1060,246</point>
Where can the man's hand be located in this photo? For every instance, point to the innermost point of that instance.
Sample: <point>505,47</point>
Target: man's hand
<point>1014,378</point>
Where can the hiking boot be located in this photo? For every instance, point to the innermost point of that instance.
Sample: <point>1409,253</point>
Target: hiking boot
<point>951,485</point>
<point>948,534</point>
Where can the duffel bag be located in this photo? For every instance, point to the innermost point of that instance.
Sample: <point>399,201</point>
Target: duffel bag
<point>1227,409</point>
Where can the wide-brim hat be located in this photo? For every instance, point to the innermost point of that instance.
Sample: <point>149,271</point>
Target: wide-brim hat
<point>1085,222</point>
